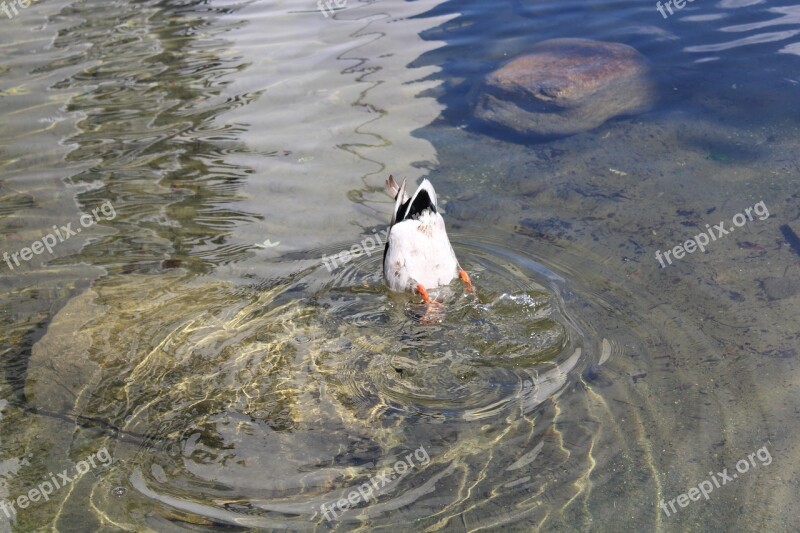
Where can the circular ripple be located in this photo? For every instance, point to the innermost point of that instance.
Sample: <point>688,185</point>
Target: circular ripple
<point>261,405</point>
<point>475,357</point>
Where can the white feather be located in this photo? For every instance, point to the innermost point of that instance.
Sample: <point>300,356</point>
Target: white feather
<point>419,251</point>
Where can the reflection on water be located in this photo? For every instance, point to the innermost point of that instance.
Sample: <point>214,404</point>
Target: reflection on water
<point>245,386</point>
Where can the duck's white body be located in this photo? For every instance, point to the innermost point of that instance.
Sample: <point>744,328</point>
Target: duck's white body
<point>418,253</point>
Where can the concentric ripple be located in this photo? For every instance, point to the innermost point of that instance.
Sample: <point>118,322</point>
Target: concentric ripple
<point>280,400</point>
<point>477,356</point>
<point>255,406</point>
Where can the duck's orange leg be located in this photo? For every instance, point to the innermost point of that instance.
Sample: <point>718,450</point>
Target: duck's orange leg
<point>425,297</point>
<point>433,309</point>
<point>465,278</point>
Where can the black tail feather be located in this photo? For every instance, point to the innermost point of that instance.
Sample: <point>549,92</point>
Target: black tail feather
<point>419,204</point>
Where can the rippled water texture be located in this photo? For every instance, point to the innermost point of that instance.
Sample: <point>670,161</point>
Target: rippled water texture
<point>208,331</point>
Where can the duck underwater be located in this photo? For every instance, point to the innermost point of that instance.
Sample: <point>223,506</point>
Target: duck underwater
<point>418,255</point>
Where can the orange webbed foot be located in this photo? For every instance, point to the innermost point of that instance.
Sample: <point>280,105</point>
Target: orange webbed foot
<point>433,309</point>
<point>425,296</point>
<point>466,279</point>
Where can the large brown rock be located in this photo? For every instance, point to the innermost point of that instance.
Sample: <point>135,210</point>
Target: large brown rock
<point>565,86</point>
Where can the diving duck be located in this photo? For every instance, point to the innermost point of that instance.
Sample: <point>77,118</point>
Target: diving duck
<point>418,255</point>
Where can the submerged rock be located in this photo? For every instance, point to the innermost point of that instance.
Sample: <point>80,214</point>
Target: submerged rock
<point>565,86</point>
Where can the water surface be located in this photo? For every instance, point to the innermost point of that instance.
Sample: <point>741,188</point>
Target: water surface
<point>239,383</point>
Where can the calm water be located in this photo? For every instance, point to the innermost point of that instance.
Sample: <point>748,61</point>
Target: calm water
<point>188,362</point>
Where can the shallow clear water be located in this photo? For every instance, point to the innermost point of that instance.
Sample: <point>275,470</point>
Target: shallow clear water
<point>201,343</point>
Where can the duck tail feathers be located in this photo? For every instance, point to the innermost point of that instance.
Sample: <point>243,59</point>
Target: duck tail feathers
<point>392,188</point>
<point>400,198</point>
<point>424,198</point>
